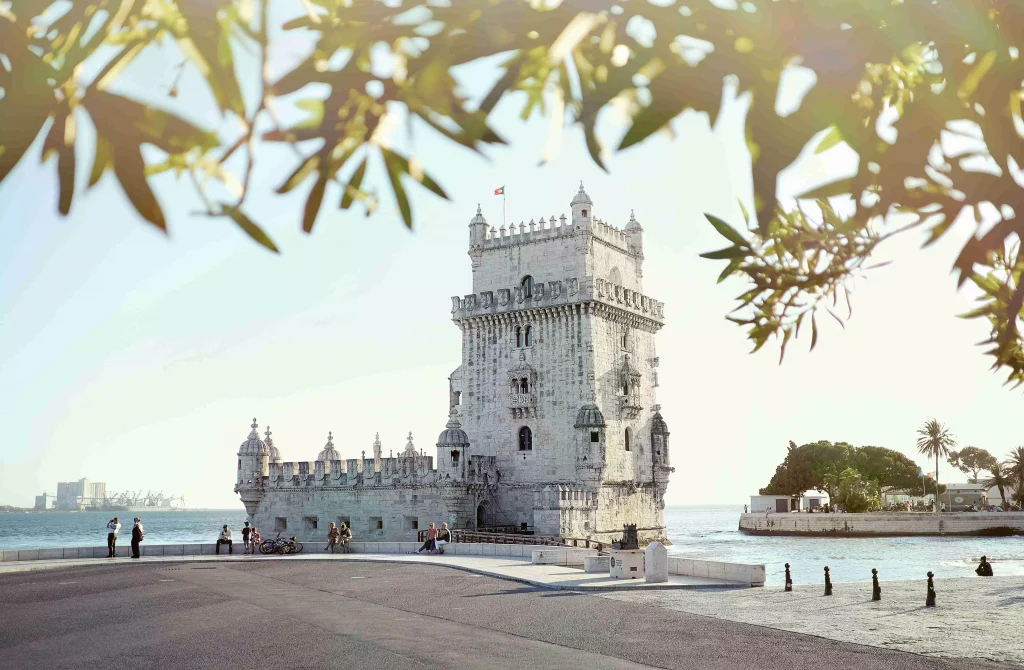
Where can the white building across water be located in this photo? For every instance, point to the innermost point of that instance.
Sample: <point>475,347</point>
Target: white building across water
<point>554,425</point>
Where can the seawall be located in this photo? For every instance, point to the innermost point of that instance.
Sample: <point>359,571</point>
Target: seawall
<point>884,524</point>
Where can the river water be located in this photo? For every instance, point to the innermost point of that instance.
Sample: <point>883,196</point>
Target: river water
<point>697,532</point>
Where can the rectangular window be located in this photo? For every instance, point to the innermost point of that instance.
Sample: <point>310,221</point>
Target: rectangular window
<point>376,523</point>
<point>280,524</point>
<point>309,523</point>
<point>595,436</point>
<point>458,397</point>
<point>411,522</point>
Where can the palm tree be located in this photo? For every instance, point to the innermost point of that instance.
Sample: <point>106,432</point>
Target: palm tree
<point>934,439</point>
<point>1015,467</point>
<point>1001,480</point>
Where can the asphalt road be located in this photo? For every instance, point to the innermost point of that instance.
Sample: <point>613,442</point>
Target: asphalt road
<point>303,614</point>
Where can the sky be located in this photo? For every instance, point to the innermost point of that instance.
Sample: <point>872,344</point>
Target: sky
<point>139,359</point>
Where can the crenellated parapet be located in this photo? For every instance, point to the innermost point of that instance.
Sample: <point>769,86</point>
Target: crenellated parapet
<point>566,292</point>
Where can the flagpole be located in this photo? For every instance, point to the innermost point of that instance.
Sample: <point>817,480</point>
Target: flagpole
<point>503,207</point>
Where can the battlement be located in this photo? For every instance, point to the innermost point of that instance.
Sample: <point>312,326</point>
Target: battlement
<point>540,230</point>
<point>555,293</point>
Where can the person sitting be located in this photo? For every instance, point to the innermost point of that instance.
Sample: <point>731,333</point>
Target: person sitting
<point>333,535</point>
<point>444,536</point>
<point>429,544</point>
<point>224,538</point>
<point>984,568</point>
<point>345,537</point>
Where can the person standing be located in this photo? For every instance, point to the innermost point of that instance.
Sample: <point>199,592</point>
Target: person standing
<point>137,535</point>
<point>246,533</point>
<point>224,538</point>
<point>113,527</point>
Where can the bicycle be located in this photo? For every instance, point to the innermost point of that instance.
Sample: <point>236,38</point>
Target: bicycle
<point>277,545</point>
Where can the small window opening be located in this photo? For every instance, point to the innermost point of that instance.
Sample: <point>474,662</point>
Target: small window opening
<point>595,436</point>
<point>525,439</point>
<point>239,463</point>
<point>519,336</point>
<point>455,456</point>
<point>625,388</point>
<point>584,214</point>
<point>629,439</point>
<point>458,397</point>
<point>309,523</point>
<point>376,523</point>
<point>524,385</point>
<point>529,336</point>
<point>527,286</point>
<point>280,524</point>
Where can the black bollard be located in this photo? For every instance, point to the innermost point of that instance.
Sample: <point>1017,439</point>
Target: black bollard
<point>789,580</point>
<point>828,583</point>
<point>876,590</point>
<point>930,600</point>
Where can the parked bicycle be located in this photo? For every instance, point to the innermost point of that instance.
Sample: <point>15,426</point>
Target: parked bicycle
<point>279,545</point>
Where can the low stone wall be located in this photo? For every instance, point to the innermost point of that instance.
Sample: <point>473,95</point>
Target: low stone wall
<point>884,524</point>
<point>554,556</point>
<point>733,572</point>
<point>124,550</point>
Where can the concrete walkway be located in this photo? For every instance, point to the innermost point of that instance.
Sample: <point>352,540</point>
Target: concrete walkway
<point>511,568</point>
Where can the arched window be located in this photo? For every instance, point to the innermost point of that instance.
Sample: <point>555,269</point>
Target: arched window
<point>625,387</point>
<point>525,439</point>
<point>524,385</point>
<point>529,336</point>
<point>624,341</point>
<point>455,456</point>
<point>629,439</point>
<point>527,285</point>
<point>519,336</point>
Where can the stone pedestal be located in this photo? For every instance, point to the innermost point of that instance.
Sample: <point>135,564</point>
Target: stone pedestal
<point>627,564</point>
<point>597,564</point>
<point>655,563</point>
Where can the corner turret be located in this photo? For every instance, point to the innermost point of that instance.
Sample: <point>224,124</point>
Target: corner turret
<point>635,235</point>
<point>477,236</point>
<point>582,210</point>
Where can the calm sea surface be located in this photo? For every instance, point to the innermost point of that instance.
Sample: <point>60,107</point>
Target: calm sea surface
<point>697,532</point>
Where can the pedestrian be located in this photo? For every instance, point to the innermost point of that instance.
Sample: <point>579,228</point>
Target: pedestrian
<point>444,536</point>
<point>113,527</point>
<point>246,532</point>
<point>255,539</point>
<point>744,509</point>
<point>984,568</point>
<point>137,535</point>
<point>333,535</point>
<point>345,538</point>
<point>225,538</point>
<point>429,544</point>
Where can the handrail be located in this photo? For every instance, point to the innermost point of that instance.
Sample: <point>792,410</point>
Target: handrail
<point>489,537</point>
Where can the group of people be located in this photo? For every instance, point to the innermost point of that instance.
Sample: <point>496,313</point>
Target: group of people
<point>251,539</point>
<point>338,538</point>
<point>436,539</point>
<point>114,527</point>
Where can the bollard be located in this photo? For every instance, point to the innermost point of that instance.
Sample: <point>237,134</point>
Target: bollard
<point>876,590</point>
<point>930,600</point>
<point>828,583</point>
<point>789,580</point>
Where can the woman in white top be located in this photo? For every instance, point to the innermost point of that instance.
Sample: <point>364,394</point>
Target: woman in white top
<point>444,536</point>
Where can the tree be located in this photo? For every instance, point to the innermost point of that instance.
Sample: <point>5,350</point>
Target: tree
<point>1015,466</point>
<point>1001,480</point>
<point>971,460</point>
<point>889,79</point>
<point>857,494</point>
<point>819,466</point>
<point>935,440</point>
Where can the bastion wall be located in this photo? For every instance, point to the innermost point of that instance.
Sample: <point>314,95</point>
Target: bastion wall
<point>884,524</point>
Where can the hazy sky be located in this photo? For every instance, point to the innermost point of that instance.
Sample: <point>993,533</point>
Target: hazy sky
<point>138,360</point>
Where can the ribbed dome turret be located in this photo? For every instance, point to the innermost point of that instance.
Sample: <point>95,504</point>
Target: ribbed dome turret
<point>479,218</point>
<point>253,445</point>
<point>329,453</point>
<point>633,223</point>
<point>275,455</point>
<point>581,197</point>
<point>589,417</point>
<point>453,435</point>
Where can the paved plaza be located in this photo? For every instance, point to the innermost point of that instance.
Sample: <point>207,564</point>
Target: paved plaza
<point>344,613</point>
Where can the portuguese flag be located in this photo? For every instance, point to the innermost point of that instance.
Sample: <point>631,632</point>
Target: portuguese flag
<point>499,191</point>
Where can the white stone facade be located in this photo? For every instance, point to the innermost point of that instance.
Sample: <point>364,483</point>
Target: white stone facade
<point>554,424</point>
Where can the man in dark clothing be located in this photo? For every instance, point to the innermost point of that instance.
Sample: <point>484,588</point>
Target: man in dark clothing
<point>246,531</point>
<point>984,568</point>
<point>137,535</point>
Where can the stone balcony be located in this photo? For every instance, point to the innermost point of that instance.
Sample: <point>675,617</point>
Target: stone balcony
<point>629,406</point>
<point>522,405</point>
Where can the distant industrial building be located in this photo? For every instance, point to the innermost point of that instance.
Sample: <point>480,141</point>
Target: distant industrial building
<point>80,494</point>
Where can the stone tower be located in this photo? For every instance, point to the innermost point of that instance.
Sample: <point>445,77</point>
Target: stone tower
<point>556,389</point>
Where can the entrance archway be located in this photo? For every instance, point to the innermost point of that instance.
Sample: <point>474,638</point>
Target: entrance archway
<point>483,514</point>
